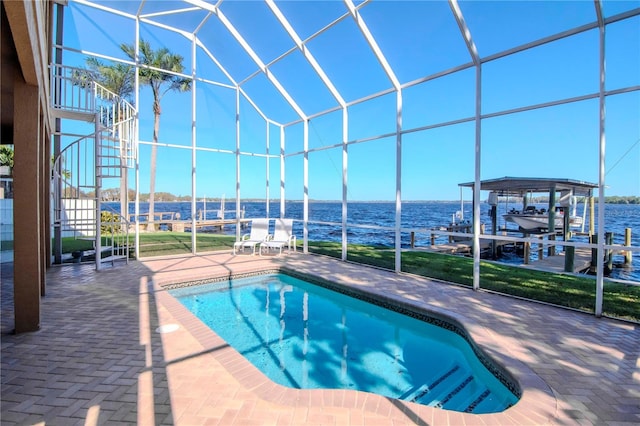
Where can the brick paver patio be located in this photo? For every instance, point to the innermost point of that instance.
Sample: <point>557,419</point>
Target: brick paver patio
<point>99,358</point>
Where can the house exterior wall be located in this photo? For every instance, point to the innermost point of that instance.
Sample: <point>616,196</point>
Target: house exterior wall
<point>25,82</point>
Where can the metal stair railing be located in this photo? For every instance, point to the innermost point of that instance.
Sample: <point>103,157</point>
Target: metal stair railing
<point>117,119</point>
<point>75,90</point>
<point>73,189</point>
<point>79,169</point>
<point>114,242</point>
<point>72,89</point>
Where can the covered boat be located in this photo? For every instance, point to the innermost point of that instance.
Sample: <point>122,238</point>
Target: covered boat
<point>560,195</point>
<point>533,219</point>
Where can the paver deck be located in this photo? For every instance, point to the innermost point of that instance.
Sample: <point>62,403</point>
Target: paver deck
<point>99,358</point>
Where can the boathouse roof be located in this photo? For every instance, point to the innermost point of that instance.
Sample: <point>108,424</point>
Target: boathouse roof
<point>521,185</point>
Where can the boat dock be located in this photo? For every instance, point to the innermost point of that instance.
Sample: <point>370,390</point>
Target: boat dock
<point>186,225</point>
<point>171,221</point>
<point>557,262</point>
<point>465,247</point>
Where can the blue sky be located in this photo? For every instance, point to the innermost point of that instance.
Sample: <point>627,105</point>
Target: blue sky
<point>418,38</point>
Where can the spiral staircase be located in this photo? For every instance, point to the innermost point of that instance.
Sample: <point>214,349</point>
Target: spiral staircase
<point>90,163</point>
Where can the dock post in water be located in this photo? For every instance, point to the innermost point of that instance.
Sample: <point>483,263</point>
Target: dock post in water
<point>592,215</point>
<point>593,239</point>
<point>541,247</point>
<point>413,239</point>
<point>628,254</point>
<point>551,224</point>
<point>609,253</point>
<point>569,258</point>
<point>494,226</point>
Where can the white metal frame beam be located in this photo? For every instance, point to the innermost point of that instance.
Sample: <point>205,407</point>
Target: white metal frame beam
<point>397,87</point>
<point>601,164</point>
<point>354,12</point>
<point>473,52</point>
<point>249,50</point>
<point>305,51</point>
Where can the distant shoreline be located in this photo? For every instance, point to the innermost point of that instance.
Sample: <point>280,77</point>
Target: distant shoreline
<point>630,200</point>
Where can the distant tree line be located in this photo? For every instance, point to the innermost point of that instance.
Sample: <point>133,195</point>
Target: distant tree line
<point>622,200</point>
<point>614,199</point>
<point>113,194</point>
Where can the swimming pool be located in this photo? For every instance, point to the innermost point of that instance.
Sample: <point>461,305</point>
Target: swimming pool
<point>302,335</point>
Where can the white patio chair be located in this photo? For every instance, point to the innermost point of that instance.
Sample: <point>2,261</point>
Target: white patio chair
<point>282,235</point>
<point>259,233</point>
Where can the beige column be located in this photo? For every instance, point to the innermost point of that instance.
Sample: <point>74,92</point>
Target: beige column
<point>45,173</point>
<point>27,213</point>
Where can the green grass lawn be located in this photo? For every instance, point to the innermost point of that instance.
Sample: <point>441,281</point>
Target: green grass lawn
<point>161,243</point>
<point>572,291</point>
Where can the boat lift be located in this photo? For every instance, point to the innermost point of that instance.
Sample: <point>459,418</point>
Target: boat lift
<point>549,222</point>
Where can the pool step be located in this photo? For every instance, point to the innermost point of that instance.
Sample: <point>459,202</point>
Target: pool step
<point>457,390</point>
<point>471,396</point>
<point>489,404</point>
<point>426,390</point>
<point>442,396</point>
<point>478,400</point>
<point>466,396</point>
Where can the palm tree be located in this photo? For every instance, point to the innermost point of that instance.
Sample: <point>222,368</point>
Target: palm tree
<point>117,78</point>
<point>152,62</point>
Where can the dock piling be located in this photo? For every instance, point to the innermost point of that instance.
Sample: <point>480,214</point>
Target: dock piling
<point>541,248</point>
<point>628,254</point>
<point>609,253</point>
<point>569,258</point>
<point>593,239</point>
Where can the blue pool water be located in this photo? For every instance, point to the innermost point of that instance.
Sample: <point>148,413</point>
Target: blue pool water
<point>302,335</point>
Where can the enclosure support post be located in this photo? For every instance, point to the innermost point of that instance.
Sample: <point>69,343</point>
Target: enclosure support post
<point>601,174</point>
<point>473,52</point>
<point>398,221</point>
<point>137,136</point>
<point>98,192</point>
<point>194,228</point>
<point>282,173</point>
<point>305,178</point>
<point>57,226</point>
<point>237,159</point>
<point>345,169</point>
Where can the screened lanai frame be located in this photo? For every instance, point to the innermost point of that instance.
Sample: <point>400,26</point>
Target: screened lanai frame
<point>396,88</point>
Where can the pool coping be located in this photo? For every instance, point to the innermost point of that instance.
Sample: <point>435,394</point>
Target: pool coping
<point>537,404</point>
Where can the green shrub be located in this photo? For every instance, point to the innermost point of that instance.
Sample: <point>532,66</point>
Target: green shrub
<point>6,155</point>
<point>110,223</point>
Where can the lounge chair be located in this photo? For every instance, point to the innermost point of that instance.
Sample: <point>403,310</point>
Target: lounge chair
<point>282,235</point>
<point>259,233</point>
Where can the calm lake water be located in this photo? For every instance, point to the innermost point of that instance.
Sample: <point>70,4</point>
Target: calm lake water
<point>415,215</point>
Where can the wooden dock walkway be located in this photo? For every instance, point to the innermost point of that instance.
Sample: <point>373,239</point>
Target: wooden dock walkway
<point>555,263</point>
<point>186,225</point>
<point>219,223</point>
<point>464,247</point>
<point>581,262</point>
